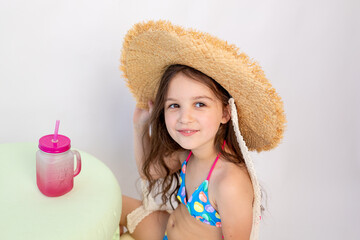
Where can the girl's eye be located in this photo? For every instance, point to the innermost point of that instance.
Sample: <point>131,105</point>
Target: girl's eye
<point>199,104</point>
<point>174,105</point>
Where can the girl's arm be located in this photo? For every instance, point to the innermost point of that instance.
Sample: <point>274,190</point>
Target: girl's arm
<point>234,198</point>
<point>142,143</point>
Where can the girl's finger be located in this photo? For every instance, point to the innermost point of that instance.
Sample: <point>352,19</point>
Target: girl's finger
<point>151,106</point>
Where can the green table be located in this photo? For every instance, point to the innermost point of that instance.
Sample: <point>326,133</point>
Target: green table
<point>91,210</point>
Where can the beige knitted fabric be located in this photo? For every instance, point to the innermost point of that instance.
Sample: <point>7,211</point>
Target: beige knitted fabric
<point>149,206</point>
<point>251,170</point>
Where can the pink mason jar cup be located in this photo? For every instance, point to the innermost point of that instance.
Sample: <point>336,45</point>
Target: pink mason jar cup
<point>55,165</point>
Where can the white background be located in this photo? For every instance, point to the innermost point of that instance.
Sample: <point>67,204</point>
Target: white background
<point>59,60</point>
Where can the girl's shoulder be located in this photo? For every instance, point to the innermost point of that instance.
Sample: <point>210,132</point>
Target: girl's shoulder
<point>234,196</point>
<point>232,179</point>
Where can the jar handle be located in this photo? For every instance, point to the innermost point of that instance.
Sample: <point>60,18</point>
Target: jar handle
<point>78,162</point>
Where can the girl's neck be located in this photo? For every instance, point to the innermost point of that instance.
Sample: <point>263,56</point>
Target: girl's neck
<point>204,155</point>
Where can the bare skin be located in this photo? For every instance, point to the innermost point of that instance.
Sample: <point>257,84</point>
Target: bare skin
<point>151,227</point>
<point>183,226</point>
<point>179,224</point>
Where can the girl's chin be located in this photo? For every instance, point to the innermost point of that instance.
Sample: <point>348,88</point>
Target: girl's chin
<point>188,145</point>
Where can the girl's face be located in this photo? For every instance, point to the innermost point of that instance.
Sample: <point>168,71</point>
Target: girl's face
<point>192,113</point>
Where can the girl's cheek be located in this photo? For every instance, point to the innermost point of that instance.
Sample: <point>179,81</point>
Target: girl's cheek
<point>169,120</point>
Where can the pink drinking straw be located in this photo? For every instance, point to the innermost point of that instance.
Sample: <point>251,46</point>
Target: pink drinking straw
<point>56,131</point>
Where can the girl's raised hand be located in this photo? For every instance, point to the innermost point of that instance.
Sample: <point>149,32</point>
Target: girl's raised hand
<point>141,116</point>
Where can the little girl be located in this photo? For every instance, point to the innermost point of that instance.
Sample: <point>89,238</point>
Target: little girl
<point>188,144</point>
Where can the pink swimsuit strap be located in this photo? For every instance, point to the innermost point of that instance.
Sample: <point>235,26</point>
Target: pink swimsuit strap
<point>213,165</point>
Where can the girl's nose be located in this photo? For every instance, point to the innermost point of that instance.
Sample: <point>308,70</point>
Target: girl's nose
<point>185,116</point>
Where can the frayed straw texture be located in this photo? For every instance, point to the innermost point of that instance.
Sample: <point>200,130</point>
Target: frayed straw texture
<point>150,47</point>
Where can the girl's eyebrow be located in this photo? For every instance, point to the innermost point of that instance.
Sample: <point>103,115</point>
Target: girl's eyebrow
<point>170,99</point>
<point>193,98</point>
<point>204,96</point>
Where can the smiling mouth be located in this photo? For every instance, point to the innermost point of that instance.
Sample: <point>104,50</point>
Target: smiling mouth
<point>187,132</point>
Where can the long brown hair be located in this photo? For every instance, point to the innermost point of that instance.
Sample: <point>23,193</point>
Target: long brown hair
<point>162,145</point>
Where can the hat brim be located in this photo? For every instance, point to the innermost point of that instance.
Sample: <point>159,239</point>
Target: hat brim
<point>149,48</point>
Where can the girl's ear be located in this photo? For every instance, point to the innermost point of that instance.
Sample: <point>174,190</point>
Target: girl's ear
<point>226,114</point>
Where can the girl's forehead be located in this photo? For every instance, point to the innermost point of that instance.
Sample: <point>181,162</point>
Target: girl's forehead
<point>183,85</point>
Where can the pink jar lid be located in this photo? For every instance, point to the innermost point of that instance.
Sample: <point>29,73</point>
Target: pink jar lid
<point>47,144</point>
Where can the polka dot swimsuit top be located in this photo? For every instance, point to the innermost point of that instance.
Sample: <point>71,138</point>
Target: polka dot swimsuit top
<point>198,204</point>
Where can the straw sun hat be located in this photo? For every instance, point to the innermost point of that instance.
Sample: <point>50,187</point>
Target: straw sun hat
<point>149,48</point>
<point>257,110</point>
